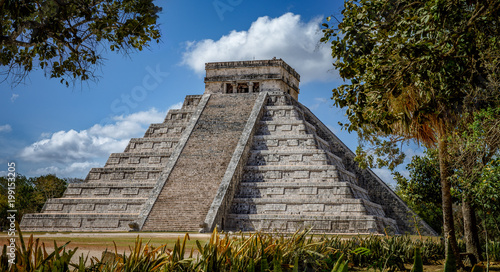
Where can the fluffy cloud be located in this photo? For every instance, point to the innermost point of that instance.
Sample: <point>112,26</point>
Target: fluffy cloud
<point>129,126</point>
<point>286,37</point>
<point>76,169</point>
<point>5,128</point>
<point>70,147</point>
<point>416,151</point>
<point>14,97</point>
<point>176,106</point>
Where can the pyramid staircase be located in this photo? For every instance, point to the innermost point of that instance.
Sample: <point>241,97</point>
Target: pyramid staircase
<point>192,184</point>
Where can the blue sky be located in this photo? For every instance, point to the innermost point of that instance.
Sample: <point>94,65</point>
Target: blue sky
<point>46,127</point>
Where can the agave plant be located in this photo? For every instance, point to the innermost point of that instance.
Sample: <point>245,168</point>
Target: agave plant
<point>32,256</point>
<point>258,251</point>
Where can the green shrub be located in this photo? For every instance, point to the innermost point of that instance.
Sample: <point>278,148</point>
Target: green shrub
<point>300,251</point>
<point>32,256</point>
<point>387,252</point>
<point>493,251</point>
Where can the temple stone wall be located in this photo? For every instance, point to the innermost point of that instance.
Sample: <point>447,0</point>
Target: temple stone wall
<point>268,75</point>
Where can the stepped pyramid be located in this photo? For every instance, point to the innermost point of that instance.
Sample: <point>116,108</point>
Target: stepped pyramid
<point>245,155</point>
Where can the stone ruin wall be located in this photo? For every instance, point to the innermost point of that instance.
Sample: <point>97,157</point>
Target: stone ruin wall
<point>271,75</point>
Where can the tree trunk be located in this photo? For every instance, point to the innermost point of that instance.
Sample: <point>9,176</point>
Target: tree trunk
<point>448,224</point>
<point>471,232</point>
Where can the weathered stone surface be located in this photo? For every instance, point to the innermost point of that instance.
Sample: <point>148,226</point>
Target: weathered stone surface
<point>243,156</point>
<point>251,76</point>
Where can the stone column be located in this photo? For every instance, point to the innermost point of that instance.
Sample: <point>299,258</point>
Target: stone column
<point>250,87</point>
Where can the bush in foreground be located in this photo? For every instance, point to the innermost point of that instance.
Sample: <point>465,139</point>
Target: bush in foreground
<point>300,251</point>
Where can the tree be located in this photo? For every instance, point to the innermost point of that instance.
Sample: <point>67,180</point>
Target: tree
<point>422,191</point>
<point>67,37</point>
<point>24,201</point>
<point>30,194</point>
<point>473,148</point>
<point>478,198</point>
<point>48,186</point>
<point>487,194</point>
<point>414,68</point>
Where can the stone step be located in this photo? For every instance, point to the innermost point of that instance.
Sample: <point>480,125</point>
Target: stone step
<point>164,130</point>
<point>111,189</point>
<point>294,173</point>
<point>127,159</point>
<point>117,174</point>
<point>306,205</point>
<point>285,127</point>
<point>362,224</point>
<point>283,107</point>
<point>140,145</point>
<point>279,99</point>
<point>179,115</point>
<point>320,190</point>
<point>94,205</point>
<point>282,113</point>
<point>289,142</point>
<point>191,102</point>
<point>62,222</point>
<point>178,122</point>
<point>293,157</point>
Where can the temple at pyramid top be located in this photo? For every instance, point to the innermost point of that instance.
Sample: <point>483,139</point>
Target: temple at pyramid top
<point>252,76</point>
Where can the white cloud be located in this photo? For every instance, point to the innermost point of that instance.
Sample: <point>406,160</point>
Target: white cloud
<point>176,106</point>
<point>5,128</point>
<point>128,126</point>
<point>410,152</point>
<point>14,97</point>
<point>70,147</point>
<point>285,37</point>
<point>72,170</point>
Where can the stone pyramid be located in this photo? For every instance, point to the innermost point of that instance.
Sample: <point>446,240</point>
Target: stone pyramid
<point>245,155</point>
